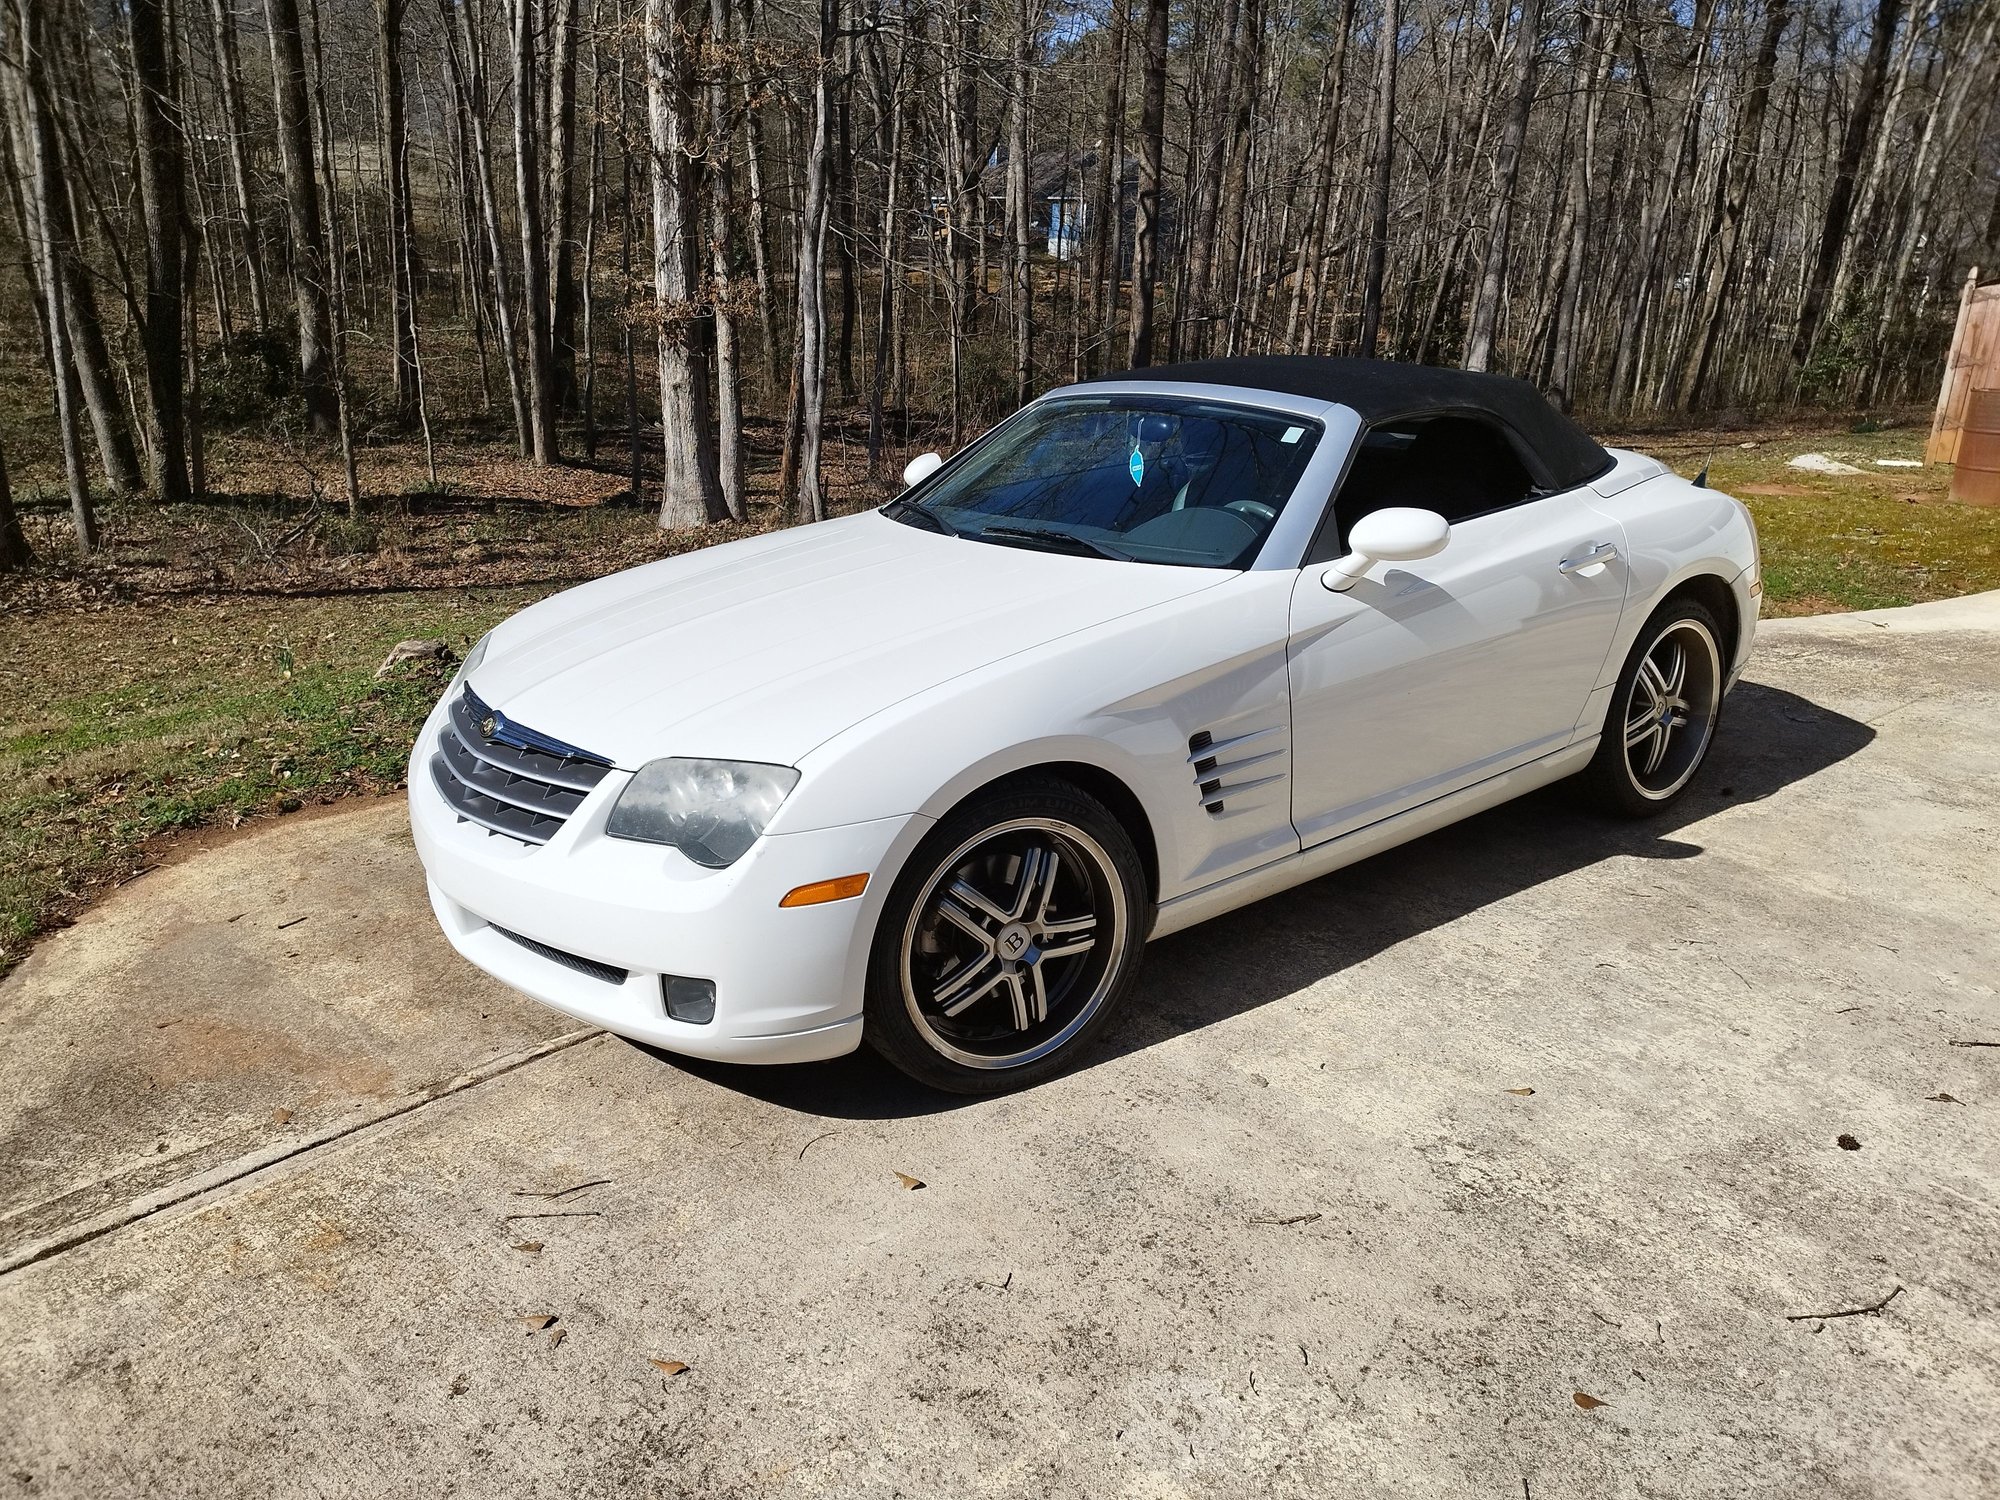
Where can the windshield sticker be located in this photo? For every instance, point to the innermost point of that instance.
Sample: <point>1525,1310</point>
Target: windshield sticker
<point>1292,434</point>
<point>1138,467</point>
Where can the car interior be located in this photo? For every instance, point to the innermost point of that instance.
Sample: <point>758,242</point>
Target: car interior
<point>1458,466</point>
<point>1182,482</point>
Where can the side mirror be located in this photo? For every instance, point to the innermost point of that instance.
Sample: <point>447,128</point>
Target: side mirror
<point>920,468</point>
<point>1398,534</point>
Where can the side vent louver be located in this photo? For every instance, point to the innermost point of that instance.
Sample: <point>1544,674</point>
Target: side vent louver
<point>1219,765</point>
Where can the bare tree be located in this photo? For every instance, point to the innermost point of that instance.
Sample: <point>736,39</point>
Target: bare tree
<point>15,553</point>
<point>1387,44</point>
<point>235,128</point>
<point>722,291</point>
<point>1027,22</point>
<point>400,234</point>
<point>1506,180</point>
<point>1152,148</point>
<point>40,168</point>
<point>302,204</point>
<point>689,493</point>
<point>812,273</point>
<point>1840,202</point>
<point>467,60</point>
<point>156,109</point>
<point>539,345</point>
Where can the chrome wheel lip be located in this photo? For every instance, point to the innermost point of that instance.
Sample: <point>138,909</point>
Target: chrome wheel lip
<point>1668,714</point>
<point>1111,926</point>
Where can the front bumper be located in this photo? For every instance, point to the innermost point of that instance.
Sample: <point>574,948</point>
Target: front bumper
<point>789,981</point>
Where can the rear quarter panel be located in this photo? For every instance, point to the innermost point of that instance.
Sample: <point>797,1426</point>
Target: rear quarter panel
<point>1676,531</point>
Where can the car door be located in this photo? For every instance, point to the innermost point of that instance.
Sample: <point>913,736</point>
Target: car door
<point>1430,676</point>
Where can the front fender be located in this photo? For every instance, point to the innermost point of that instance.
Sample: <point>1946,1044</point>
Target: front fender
<point>1123,699</point>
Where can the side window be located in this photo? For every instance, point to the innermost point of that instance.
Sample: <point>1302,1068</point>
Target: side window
<point>1458,466</point>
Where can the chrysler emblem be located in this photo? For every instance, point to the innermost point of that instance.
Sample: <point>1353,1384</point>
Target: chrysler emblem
<point>490,725</point>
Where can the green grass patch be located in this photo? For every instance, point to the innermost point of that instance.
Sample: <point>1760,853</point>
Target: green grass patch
<point>1873,540</point>
<point>121,726</point>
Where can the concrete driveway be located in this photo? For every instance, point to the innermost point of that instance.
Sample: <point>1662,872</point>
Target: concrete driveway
<point>1380,1189</point>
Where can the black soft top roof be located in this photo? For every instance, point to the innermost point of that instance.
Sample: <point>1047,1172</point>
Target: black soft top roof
<point>1559,452</point>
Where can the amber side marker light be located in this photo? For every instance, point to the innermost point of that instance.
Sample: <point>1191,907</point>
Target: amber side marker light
<point>842,889</point>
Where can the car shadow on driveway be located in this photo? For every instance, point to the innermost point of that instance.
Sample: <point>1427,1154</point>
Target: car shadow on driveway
<point>1769,740</point>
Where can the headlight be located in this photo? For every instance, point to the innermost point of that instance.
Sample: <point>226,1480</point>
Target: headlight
<point>472,659</point>
<point>710,810</point>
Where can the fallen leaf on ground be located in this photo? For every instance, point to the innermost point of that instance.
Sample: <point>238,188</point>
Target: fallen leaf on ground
<point>281,1117</point>
<point>530,1247</point>
<point>1588,1402</point>
<point>1943,1099</point>
<point>536,1322</point>
<point>668,1366</point>
<point>909,1182</point>
<point>1522,1092</point>
<point>556,1338</point>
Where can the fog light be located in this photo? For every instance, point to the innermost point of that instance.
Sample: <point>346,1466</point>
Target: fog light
<point>690,1000</point>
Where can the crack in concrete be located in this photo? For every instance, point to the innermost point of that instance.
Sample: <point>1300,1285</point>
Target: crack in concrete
<point>243,1167</point>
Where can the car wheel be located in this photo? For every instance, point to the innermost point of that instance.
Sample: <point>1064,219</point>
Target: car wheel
<point>1007,941</point>
<point>1663,713</point>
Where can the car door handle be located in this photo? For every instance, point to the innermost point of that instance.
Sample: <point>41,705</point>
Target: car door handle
<point>1583,562</point>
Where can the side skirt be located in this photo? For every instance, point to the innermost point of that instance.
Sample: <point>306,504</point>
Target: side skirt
<point>1323,859</point>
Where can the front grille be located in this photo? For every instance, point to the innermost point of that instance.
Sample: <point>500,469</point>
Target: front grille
<point>609,973</point>
<point>507,778</point>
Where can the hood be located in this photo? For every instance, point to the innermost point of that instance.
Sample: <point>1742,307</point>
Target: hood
<point>765,648</point>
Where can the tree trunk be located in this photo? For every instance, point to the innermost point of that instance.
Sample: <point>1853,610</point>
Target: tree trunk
<point>1225,285</point>
<point>1107,194</point>
<point>563,295</point>
<point>721,214</point>
<point>1385,147</point>
<point>812,275</point>
<point>39,164</point>
<point>1206,151</point>
<point>302,204</point>
<point>1507,175</point>
<point>1574,235</point>
<point>469,74</point>
<point>1027,19</point>
<point>1840,203</point>
<point>1719,284</point>
<point>337,268</point>
<point>887,305</point>
<point>161,173</point>
<point>1311,262</point>
<point>689,493</point>
<point>1152,150</point>
<point>229,86</point>
<point>15,553</point>
<point>539,347</point>
<point>396,190</point>
<point>760,222</point>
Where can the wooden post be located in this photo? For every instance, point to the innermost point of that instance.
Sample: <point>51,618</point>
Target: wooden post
<point>1943,446</point>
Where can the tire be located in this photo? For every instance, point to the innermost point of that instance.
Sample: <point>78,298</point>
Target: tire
<point>1008,940</point>
<point>1663,714</point>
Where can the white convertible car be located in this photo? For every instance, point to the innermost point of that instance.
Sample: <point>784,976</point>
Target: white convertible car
<point>1154,647</point>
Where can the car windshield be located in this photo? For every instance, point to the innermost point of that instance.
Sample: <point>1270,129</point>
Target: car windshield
<point>1138,478</point>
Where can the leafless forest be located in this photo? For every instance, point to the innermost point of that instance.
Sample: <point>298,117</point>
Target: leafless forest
<point>596,227</point>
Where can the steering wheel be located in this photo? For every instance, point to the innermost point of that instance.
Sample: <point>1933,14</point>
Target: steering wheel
<point>1252,507</point>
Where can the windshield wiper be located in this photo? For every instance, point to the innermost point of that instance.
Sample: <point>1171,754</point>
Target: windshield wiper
<point>1053,541</point>
<point>915,515</point>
